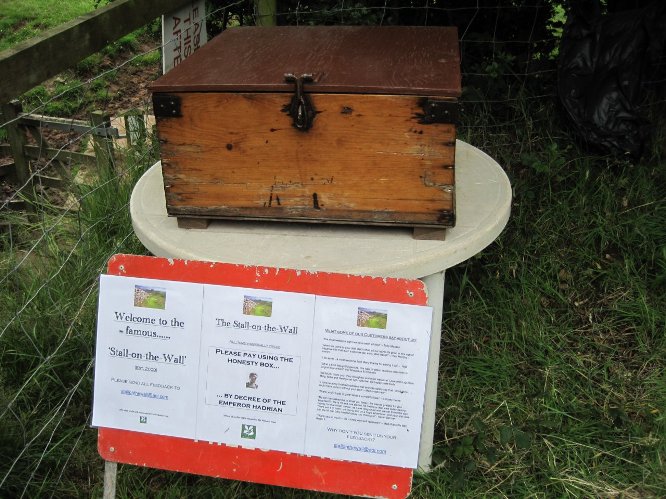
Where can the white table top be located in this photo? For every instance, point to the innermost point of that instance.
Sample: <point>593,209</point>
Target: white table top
<point>483,204</point>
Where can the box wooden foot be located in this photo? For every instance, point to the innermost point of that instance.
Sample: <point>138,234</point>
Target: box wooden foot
<point>193,223</point>
<point>429,234</point>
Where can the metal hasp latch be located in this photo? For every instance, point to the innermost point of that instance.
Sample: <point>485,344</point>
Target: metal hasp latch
<point>301,109</point>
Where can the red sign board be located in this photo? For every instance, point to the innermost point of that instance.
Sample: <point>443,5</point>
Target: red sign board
<point>253,465</point>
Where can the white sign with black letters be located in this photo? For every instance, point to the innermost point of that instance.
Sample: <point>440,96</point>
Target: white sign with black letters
<point>183,32</point>
<point>294,372</point>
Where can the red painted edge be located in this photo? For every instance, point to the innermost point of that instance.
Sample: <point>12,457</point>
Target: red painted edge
<point>257,466</point>
<point>253,465</point>
<point>409,291</point>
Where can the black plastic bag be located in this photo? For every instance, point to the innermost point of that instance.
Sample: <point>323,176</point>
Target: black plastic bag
<point>602,64</point>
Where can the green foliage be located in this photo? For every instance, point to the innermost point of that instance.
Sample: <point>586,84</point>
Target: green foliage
<point>552,359</point>
<point>554,337</point>
<point>71,97</point>
<point>127,43</point>
<point>23,19</point>
<point>68,95</point>
<point>48,282</point>
<point>155,302</point>
<point>356,14</point>
<point>377,322</point>
<point>549,160</point>
<point>90,64</point>
<point>150,59</point>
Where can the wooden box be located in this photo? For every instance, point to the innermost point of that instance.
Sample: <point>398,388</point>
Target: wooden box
<point>315,124</point>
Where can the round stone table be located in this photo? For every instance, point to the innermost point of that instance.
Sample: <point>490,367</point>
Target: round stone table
<point>483,203</point>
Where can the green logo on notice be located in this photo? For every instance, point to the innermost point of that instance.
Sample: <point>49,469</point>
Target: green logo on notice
<point>143,419</point>
<point>248,431</point>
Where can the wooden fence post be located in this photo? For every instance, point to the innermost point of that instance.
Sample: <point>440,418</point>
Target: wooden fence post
<point>16,139</point>
<point>110,475</point>
<point>102,143</point>
<point>135,127</point>
<point>265,12</point>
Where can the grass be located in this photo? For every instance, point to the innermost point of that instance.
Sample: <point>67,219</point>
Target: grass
<point>262,309</point>
<point>376,321</point>
<point>87,87</point>
<point>154,299</point>
<point>149,59</point>
<point>23,19</point>
<point>552,362</point>
<point>48,281</point>
<point>72,94</point>
<point>552,370</point>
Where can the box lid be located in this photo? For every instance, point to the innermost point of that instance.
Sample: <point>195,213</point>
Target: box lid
<point>402,60</point>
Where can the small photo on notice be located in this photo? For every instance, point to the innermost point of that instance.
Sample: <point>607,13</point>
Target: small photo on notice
<point>254,305</point>
<point>371,318</point>
<point>252,381</point>
<point>148,297</point>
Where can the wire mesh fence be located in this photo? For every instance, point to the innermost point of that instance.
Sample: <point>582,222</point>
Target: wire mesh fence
<point>54,248</point>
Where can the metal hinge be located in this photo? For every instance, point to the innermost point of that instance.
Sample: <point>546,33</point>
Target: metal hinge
<point>440,111</point>
<point>166,106</point>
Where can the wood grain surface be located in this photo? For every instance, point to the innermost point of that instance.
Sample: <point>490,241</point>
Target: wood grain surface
<point>404,60</point>
<point>367,158</point>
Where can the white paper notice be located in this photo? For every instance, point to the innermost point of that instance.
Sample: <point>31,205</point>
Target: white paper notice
<point>366,391</point>
<point>147,355</point>
<point>293,372</point>
<point>255,367</point>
